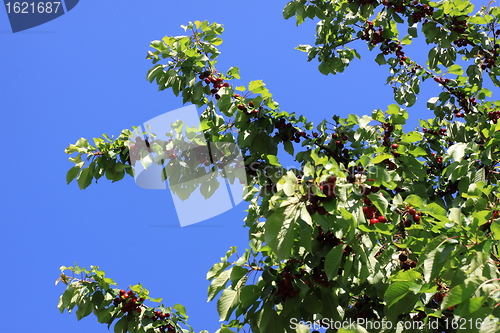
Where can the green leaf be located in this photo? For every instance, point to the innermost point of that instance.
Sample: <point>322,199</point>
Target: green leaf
<point>393,109</point>
<point>380,59</point>
<point>156,300</point>
<point>273,226</point>
<point>286,237</point>
<point>455,69</point>
<point>72,174</point>
<point>82,143</point>
<point>477,20</point>
<point>411,137</point>
<point>237,273</point>
<point>66,297</point>
<point>415,201</point>
<point>289,9</point>
<point>462,292</point>
<point>417,151</point>
<point>495,229</point>
<point>379,201</point>
<point>227,303</point>
<point>429,251</point>
<point>312,304</point>
<point>121,325</point>
<point>255,86</point>
<point>216,269</point>
<point>218,284</point>
<point>222,330</point>
<point>84,309</point>
<point>273,160</point>
<point>404,305</point>
<point>154,72</point>
<point>104,315</point>
<point>396,291</point>
<point>85,178</point>
<point>288,147</point>
<point>363,121</point>
<point>406,40</point>
<point>234,72</point>
<point>181,309</point>
<point>436,211</point>
<point>289,188</point>
<point>382,157</point>
<point>305,216</point>
<point>431,103</point>
<point>248,295</point>
<point>435,260</point>
<point>457,151</point>
<point>333,260</point>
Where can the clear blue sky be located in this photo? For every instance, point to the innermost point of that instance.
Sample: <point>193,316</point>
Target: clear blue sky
<point>83,74</point>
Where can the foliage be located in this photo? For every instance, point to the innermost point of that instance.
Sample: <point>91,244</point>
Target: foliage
<point>378,224</point>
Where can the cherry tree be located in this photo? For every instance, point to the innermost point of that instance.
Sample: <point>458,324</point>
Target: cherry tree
<point>379,229</point>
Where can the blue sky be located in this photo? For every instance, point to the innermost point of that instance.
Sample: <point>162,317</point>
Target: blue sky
<point>83,74</point>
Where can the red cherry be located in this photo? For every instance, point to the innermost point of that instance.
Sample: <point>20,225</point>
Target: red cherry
<point>412,211</point>
<point>382,219</point>
<point>373,221</point>
<point>395,146</point>
<point>416,218</point>
<point>438,297</point>
<point>236,96</point>
<point>251,104</point>
<point>333,179</point>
